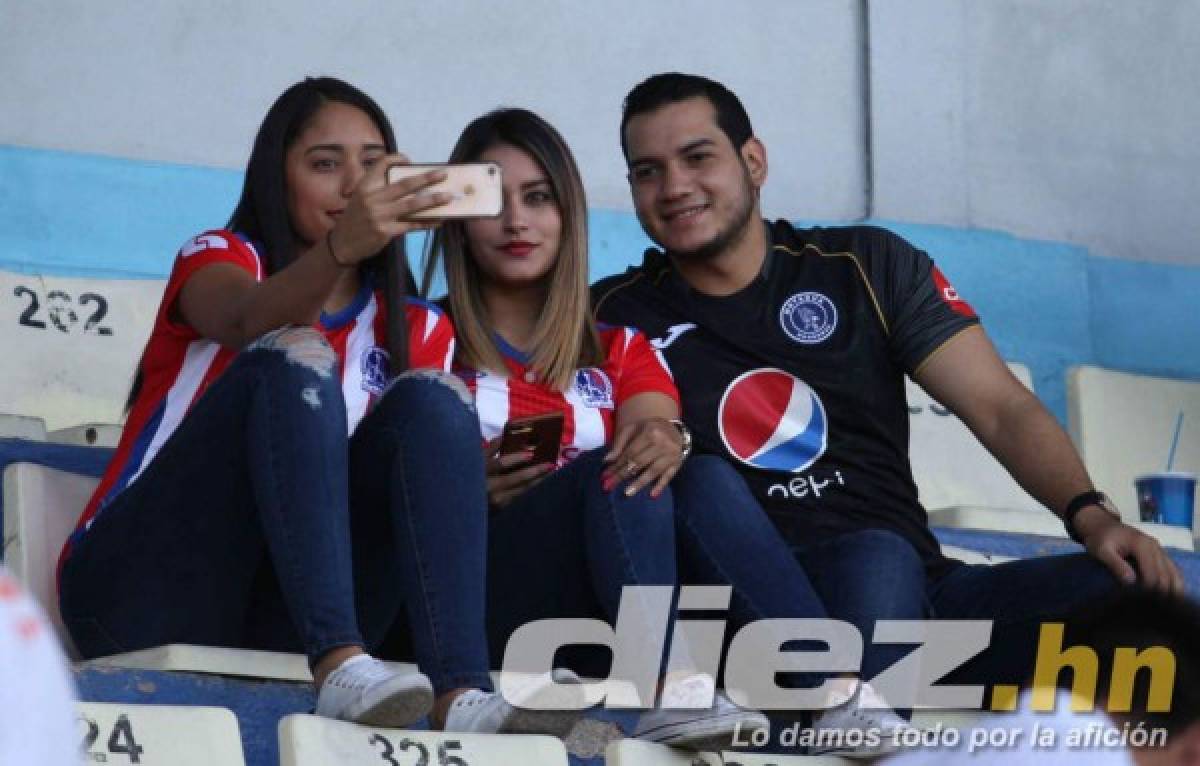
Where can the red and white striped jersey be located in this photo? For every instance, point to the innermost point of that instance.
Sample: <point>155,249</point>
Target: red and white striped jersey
<point>178,365</point>
<point>631,366</point>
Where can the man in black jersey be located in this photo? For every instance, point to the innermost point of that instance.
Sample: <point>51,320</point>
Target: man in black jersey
<point>790,348</point>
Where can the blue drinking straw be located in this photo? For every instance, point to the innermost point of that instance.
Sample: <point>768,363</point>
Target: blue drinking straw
<point>1175,441</point>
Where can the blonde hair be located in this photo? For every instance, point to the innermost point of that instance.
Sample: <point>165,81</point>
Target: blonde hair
<point>564,337</point>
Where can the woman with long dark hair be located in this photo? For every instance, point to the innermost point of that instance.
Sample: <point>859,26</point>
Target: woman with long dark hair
<point>299,471</point>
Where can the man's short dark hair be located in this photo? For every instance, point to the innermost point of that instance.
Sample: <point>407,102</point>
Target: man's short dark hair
<point>673,87</point>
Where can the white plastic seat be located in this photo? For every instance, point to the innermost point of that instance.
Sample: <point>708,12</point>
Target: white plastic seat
<point>41,508</point>
<point>634,752</point>
<point>1123,425</point>
<point>308,740</point>
<point>88,435</point>
<point>968,556</point>
<point>950,466</point>
<point>22,427</point>
<point>1046,524</point>
<point>160,735</point>
<point>71,355</point>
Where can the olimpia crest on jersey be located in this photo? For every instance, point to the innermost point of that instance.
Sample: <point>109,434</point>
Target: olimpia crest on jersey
<point>375,365</point>
<point>808,317</point>
<point>594,387</point>
<point>772,420</point>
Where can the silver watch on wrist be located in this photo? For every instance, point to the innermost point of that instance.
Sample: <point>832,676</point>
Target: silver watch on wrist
<point>685,435</point>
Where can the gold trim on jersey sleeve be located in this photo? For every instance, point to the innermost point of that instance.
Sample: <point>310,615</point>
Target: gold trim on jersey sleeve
<point>929,357</point>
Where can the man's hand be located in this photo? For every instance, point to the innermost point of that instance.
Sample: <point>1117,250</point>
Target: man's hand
<point>1115,543</point>
<point>508,476</point>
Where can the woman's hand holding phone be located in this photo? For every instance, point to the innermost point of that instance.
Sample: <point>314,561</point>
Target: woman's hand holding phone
<point>510,474</point>
<point>378,212</point>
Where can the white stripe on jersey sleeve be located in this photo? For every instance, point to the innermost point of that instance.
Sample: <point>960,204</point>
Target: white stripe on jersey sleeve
<point>358,342</point>
<point>196,362</point>
<point>589,423</point>
<point>491,402</point>
<point>448,362</point>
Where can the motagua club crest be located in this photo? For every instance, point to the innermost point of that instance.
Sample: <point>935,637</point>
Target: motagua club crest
<point>808,317</point>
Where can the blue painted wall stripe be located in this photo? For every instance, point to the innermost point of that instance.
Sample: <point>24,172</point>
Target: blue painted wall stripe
<point>1048,305</point>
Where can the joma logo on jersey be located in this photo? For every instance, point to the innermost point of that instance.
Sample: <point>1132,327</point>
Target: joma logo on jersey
<point>673,333</point>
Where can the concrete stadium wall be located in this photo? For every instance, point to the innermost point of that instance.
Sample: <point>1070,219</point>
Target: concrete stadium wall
<point>985,132</point>
<point>1072,120</point>
<point>189,82</point>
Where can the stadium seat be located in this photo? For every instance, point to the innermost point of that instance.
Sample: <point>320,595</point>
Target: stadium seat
<point>633,752</point>
<point>307,740</point>
<point>968,556</point>
<point>950,466</point>
<point>762,759</point>
<point>1123,425</point>
<point>41,506</point>
<point>1045,524</point>
<point>22,427</point>
<point>964,487</point>
<point>88,435</point>
<point>70,357</point>
<point>214,660</point>
<point>160,735</point>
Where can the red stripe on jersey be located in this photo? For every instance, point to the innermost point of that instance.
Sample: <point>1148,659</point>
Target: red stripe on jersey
<point>769,393</point>
<point>950,296</point>
<point>630,367</point>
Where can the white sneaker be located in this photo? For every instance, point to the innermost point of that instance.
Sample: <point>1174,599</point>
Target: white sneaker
<point>864,726</point>
<point>694,715</point>
<point>364,690</point>
<point>490,713</point>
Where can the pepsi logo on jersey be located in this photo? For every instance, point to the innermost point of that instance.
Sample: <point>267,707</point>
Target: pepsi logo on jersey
<point>772,420</point>
<point>808,317</point>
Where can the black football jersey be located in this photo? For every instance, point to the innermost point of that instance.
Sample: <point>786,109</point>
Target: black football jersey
<point>798,379</point>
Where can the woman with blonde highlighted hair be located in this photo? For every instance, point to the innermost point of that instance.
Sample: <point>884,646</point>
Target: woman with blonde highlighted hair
<point>568,533</point>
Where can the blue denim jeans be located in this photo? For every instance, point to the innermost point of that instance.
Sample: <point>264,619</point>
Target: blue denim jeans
<point>258,526</point>
<point>566,548</point>
<point>877,575</point>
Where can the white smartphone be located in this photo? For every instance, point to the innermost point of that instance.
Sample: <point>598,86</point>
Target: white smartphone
<point>476,188</point>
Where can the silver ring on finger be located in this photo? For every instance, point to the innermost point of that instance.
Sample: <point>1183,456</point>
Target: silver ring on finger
<point>631,469</point>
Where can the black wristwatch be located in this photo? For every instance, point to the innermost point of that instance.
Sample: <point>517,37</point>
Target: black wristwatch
<point>1081,501</point>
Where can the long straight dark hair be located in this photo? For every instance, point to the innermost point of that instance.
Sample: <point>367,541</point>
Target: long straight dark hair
<point>262,213</point>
